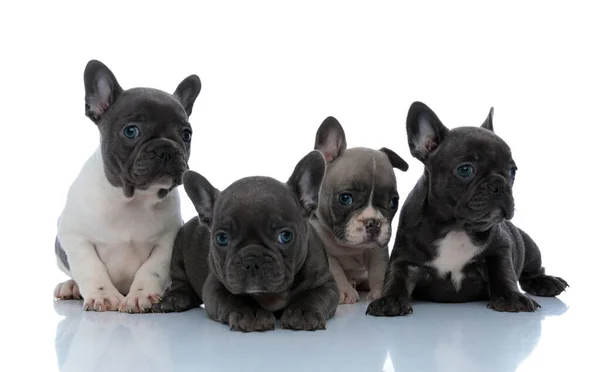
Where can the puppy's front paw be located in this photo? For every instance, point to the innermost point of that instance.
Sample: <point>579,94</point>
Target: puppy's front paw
<point>258,320</point>
<point>67,291</point>
<point>349,295</point>
<point>139,301</point>
<point>300,319</point>
<point>389,306</point>
<point>513,302</point>
<point>103,299</point>
<point>374,294</point>
<point>176,301</point>
<point>544,286</point>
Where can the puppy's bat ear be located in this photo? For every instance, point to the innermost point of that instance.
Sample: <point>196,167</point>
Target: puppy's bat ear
<point>202,194</point>
<point>395,159</point>
<point>187,91</point>
<point>101,89</point>
<point>306,180</point>
<point>488,123</point>
<point>424,129</point>
<point>330,139</point>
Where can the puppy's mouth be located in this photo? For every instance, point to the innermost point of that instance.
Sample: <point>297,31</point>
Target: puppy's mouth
<point>487,219</point>
<point>365,243</point>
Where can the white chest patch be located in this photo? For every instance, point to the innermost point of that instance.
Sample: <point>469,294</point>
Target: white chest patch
<point>454,251</point>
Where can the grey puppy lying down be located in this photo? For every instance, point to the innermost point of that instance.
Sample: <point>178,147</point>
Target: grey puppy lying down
<point>251,254</point>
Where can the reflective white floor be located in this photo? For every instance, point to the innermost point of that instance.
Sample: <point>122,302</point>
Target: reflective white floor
<point>436,337</point>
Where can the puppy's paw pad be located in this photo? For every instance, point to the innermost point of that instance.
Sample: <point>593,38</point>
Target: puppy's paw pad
<point>299,319</point>
<point>513,302</point>
<point>374,294</point>
<point>389,306</point>
<point>103,300</point>
<point>349,296</point>
<point>139,301</point>
<point>67,291</point>
<point>545,286</point>
<point>258,320</point>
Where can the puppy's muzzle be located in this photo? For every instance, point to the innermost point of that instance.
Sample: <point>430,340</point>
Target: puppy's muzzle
<point>499,192</point>
<point>372,228</point>
<point>256,269</point>
<point>165,153</point>
<point>157,159</point>
<point>254,263</point>
<point>497,186</point>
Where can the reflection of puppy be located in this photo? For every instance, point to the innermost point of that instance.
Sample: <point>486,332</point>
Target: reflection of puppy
<point>89,341</point>
<point>116,232</point>
<point>503,342</point>
<point>357,203</point>
<point>264,256</point>
<point>455,242</point>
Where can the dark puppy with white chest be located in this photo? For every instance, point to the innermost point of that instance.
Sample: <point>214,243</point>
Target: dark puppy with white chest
<point>455,241</point>
<point>264,258</point>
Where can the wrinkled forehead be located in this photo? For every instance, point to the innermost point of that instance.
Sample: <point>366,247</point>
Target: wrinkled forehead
<point>475,144</point>
<point>257,203</point>
<point>147,104</point>
<point>364,168</point>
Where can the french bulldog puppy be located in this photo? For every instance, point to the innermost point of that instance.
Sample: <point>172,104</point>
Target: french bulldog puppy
<point>116,231</point>
<point>357,202</point>
<point>189,266</point>
<point>265,259</point>
<point>455,241</point>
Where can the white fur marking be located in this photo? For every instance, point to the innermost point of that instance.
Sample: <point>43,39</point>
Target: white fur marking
<point>116,243</point>
<point>455,250</point>
<point>356,232</point>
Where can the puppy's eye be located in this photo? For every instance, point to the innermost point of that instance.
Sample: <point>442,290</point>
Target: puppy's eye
<point>465,170</point>
<point>222,239</point>
<point>345,199</point>
<point>186,135</point>
<point>131,131</point>
<point>285,237</point>
<point>394,203</point>
<point>513,172</point>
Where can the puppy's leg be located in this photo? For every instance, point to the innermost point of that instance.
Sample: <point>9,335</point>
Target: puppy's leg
<point>310,310</point>
<point>399,282</point>
<point>377,262</point>
<point>533,279</point>
<point>348,294</point>
<point>240,312</point>
<point>503,287</point>
<point>90,274</point>
<point>151,279</point>
<point>180,296</point>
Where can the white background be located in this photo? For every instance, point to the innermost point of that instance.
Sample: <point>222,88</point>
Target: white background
<point>271,72</point>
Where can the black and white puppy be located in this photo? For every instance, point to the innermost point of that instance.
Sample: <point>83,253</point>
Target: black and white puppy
<point>264,257</point>
<point>455,241</point>
<point>116,231</point>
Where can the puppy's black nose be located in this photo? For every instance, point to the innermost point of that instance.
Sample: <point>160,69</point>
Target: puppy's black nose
<point>163,153</point>
<point>496,187</point>
<point>253,263</point>
<point>373,227</point>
